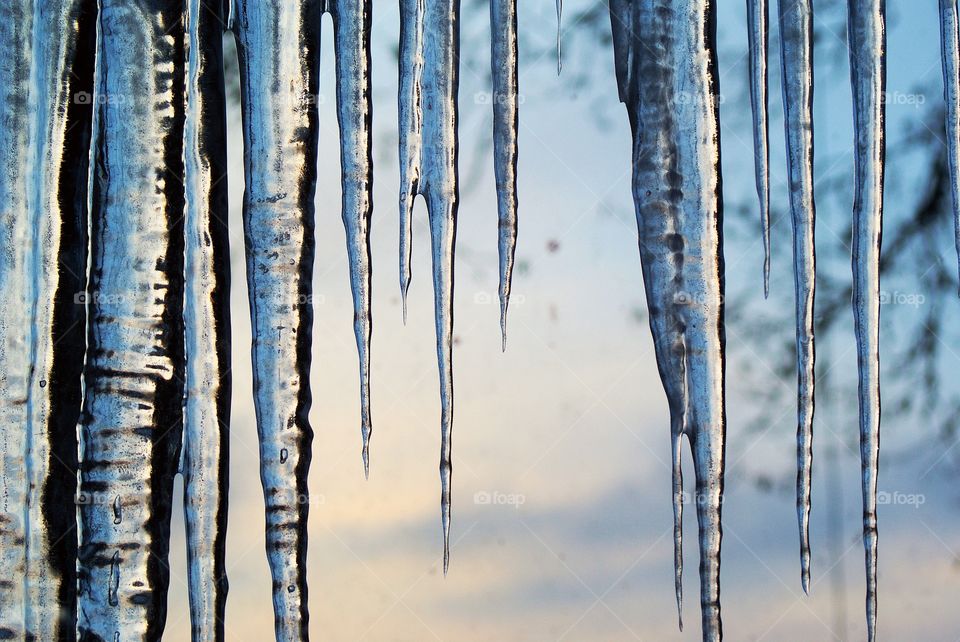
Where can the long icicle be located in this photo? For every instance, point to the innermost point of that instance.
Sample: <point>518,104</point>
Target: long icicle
<point>757,27</point>
<point>16,53</point>
<point>352,23</point>
<point>278,44</point>
<point>867,42</point>
<point>64,37</point>
<point>505,101</point>
<point>559,36</point>
<point>429,81</point>
<point>950,51</point>
<point>796,55</point>
<point>132,419</point>
<point>666,56</point>
<point>207,321</point>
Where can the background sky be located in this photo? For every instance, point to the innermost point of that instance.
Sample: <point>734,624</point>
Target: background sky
<point>562,515</point>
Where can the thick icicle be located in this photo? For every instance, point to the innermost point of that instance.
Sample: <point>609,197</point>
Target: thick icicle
<point>950,48</point>
<point>132,419</point>
<point>504,66</point>
<point>429,81</point>
<point>867,42</point>
<point>207,321</point>
<point>352,20</point>
<point>667,72</point>
<point>278,44</point>
<point>46,76</point>
<point>796,55</point>
<point>757,26</point>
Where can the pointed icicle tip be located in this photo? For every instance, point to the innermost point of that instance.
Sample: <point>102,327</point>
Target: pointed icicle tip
<point>503,325</point>
<point>403,303</point>
<point>366,461</point>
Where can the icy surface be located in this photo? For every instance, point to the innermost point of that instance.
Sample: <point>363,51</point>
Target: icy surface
<point>429,80</point>
<point>667,71</point>
<point>132,424</point>
<point>950,46</point>
<point>796,55</point>
<point>867,42</point>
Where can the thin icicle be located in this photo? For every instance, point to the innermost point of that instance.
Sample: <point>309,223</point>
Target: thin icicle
<point>411,130</point>
<point>429,81</point>
<point>867,42</point>
<point>757,26</point>
<point>667,71</point>
<point>796,55</point>
<point>278,45</point>
<point>950,51</point>
<point>505,100</point>
<point>132,422</point>
<point>559,36</point>
<point>207,322</point>
<point>352,20</point>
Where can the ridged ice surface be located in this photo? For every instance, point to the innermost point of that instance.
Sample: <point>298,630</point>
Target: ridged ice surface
<point>796,55</point>
<point>278,44</point>
<point>505,101</point>
<point>352,23</point>
<point>132,424</point>
<point>667,73</point>
<point>867,42</point>
<point>950,49</point>
<point>758,32</point>
<point>46,64</point>
<point>429,80</point>
<point>207,322</point>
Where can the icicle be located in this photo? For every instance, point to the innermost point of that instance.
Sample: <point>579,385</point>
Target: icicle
<point>64,40</point>
<point>950,48</point>
<point>278,45</point>
<point>559,36</point>
<point>504,61</point>
<point>132,424</point>
<point>668,79</point>
<point>16,54</point>
<point>411,130</point>
<point>796,54</point>
<point>207,322</point>
<point>429,80</point>
<point>355,111</point>
<point>867,42</point>
<point>757,21</point>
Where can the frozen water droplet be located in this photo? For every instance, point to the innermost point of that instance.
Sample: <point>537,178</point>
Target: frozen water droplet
<point>114,587</point>
<point>117,510</point>
<point>283,455</point>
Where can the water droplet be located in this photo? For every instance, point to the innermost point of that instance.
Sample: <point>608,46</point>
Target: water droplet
<point>283,455</point>
<point>291,588</point>
<point>117,510</point>
<point>43,383</point>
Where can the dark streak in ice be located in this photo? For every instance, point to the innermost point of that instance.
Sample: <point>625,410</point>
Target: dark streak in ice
<point>665,54</point>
